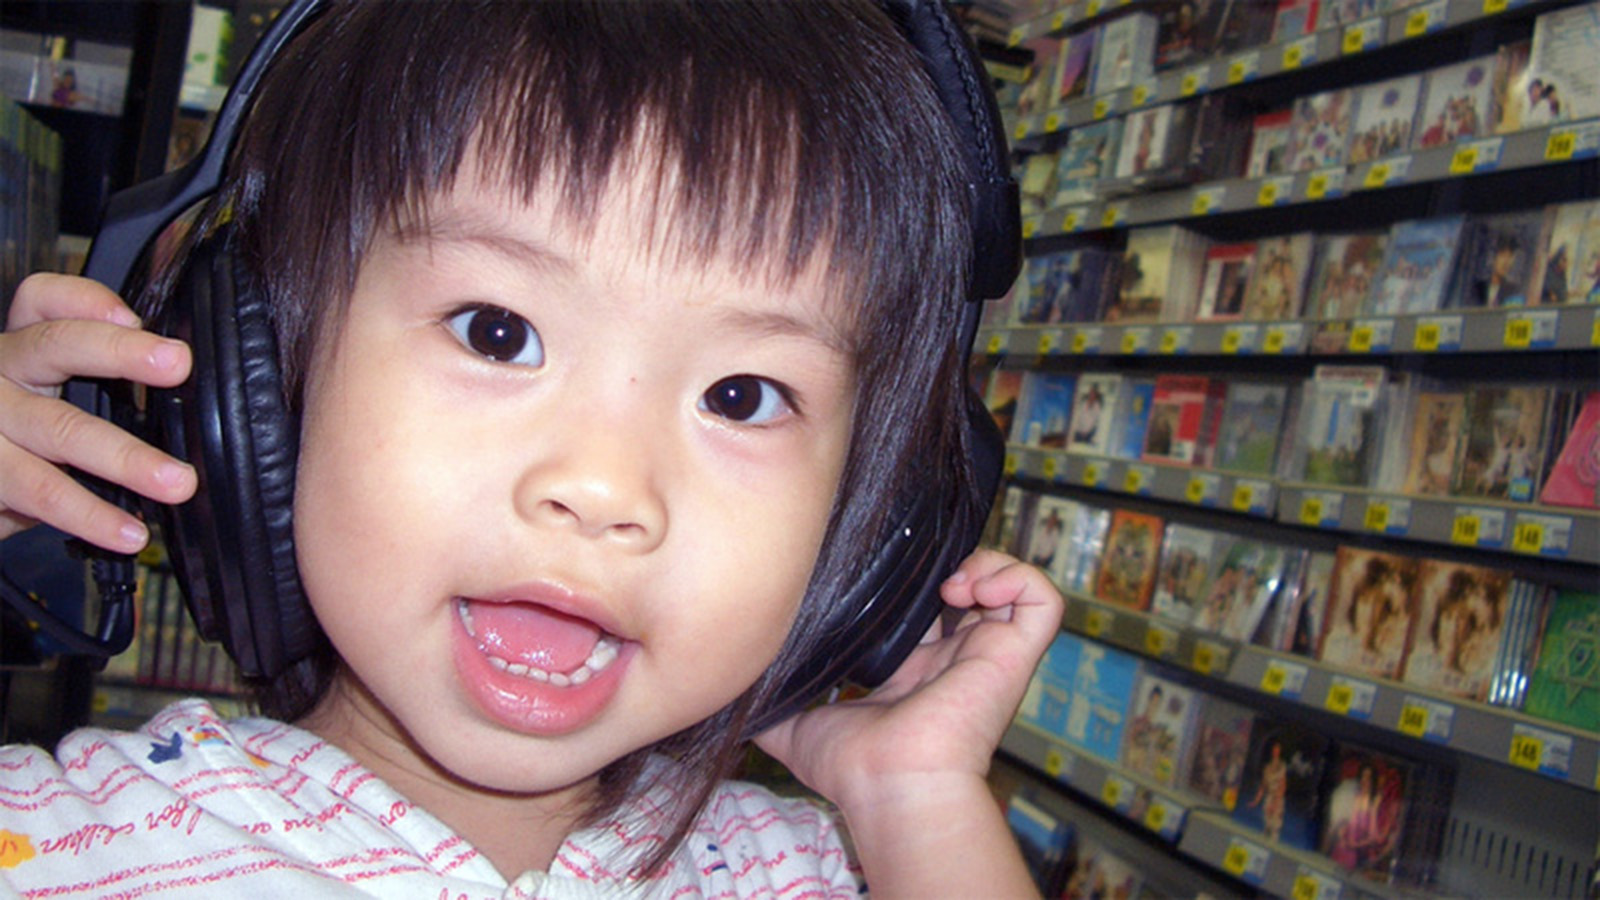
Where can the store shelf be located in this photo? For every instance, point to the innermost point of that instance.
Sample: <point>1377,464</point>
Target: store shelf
<point>1201,831</point>
<point>1500,735</point>
<point>1139,632</point>
<point>1247,494</point>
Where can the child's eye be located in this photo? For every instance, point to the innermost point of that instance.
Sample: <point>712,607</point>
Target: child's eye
<point>746,399</point>
<point>500,335</point>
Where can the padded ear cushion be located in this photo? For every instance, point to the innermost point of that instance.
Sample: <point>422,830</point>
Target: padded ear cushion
<point>233,544</point>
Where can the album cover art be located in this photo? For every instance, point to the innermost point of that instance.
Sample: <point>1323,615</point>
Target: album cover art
<point>1294,19</point>
<point>1046,409</point>
<point>1049,697</point>
<point>1282,777</point>
<point>1277,628</point>
<point>1132,418</point>
<point>1090,155</point>
<point>1562,81</point>
<point>1341,425</point>
<point>1037,183</point>
<point>1001,395</point>
<point>1366,812</point>
<point>1184,573</point>
<point>1076,57</point>
<point>1319,130</point>
<point>1127,570</point>
<point>1519,648</point>
<point>1046,842</point>
<point>1092,409</point>
<point>1181,413</point>
<point>1065,286</point>
<point>1278,279</point>
<point>1243,583</point>
<point>1343,12</point>
<point>1125,55</point>
<point>1438,427</point>
<point>1102,693</point>
<point>1574,479</point>
<point>1086,541</point>
<point>1154,264</point>
<point>1418,263</point>
<point>1102,875</point>
<point>1251,427</point>
<point>1570,272</point>
<point>1269,144</point>
<point>1461,619</point>
<point>1384,113</point>
<point>1371,611</point>
<point>1503,448</point>
<point>1227,275</point>
<point>1147,143</point>
<point>1346,266</point>
<point>1500,261</point>
<point>1052,517</point>
<point>1221,744</point>
<point>1509,98</point>
<point>1161,723</point>
<point>1455,103</point>
<point>1316,584</point>
<point>1565,686</point>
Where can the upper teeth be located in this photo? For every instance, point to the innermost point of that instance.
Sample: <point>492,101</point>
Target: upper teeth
<point>600,658</point>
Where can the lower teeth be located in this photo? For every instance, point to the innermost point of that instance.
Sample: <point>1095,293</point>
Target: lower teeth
<point>600,659</point>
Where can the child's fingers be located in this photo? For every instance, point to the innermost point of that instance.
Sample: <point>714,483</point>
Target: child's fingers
<point>32,490</point>
<point>45,354</point>
<point>44,297</point>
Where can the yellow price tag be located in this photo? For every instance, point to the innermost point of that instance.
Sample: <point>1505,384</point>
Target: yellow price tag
<point>1052,122</point>
<point>1594,333</point>
<point>1339,699</point>
<point>1274,678</point>
<point>1417,24</point>
<point>1527,537</point>
<point>1048,467</point>
<point>1230,341</point>
<point>1111,792</point>
<point>1244,496</point>
<point>1377,517</point>
<point>101,702</point>
<point>1169,342</point>
<point>1047,343</point>
<point>1155,817</point>
<point>1293,55</point>
<point>1490,7</point>
<point>1205,658</point>
<point>1108,219</point>
<point>1304,888</point>
<point>1058,21</point>
<point>1560,145</point>
<point>1015,37</point>
<point>1030,227</point>
<point>1157,641</point>
<point>1378,175</point>
<point>1236,860</point>
<point>997,342</point>
<point>1195,491</point>
<point>1463,161</point>
<point>1091,475</point>
<point>1130,342</point>
<point>1011,464</point>
<point>1141,93</point>
<point>1268,194</point>
<point>1022,130</point>
<point>1054,763</point>
<point>1414,720</point>
<point>1317,187</point>
<point>1236,71</point>
<point>1465,529</point>
<point>1133,481</point>
<point>1201,204</point>
<point>1361,339</point>
<point>1189,85</point>
<point>1427,337</point>
<point>1094,624</point>
<point>1526,752</point>
<point>1079,342</point>
<point>1273,342</point>
<point>1091,9</point>
<point>1102,108</point>
<point>1519,333</point>
<point>1355,40</point>
<point>1311,511</point>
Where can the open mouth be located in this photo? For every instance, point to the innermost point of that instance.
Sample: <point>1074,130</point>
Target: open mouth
<point>528,640</point>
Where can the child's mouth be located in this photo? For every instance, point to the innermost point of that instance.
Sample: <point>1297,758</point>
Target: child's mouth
<point>531,641</point>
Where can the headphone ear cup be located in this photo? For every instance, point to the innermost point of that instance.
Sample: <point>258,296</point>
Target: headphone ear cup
<point>233,543</point>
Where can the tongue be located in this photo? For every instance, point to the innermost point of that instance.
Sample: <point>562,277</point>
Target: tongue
<point>533,635</point>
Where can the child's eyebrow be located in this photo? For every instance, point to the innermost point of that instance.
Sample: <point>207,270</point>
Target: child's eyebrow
<point>454,229</point>
<point>763,323</point>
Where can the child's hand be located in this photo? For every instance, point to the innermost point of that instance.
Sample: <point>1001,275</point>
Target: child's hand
<point>946,708</point>
<point>907,764</point>
<point>61,327</point>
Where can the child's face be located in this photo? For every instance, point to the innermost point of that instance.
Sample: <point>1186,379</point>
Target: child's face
<point>591,493</point>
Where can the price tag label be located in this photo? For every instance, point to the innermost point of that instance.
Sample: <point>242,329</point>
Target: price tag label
<point>1023,129</point>
<point>1055,762</point>
<point>1361,36</point>
<point>1425,19</point>
<point>1302,52</point>
<point>1350,697</point>
<point>1137,479</point>
<point>1194,81</point>
<point>1159,640</point>
<point>1135,340</point>
<point>1244,68</point>
<point>1530,329</point>
<point>1560,145</point>
<point>1542,535</point>
<point>1117,792</point>
<point>1176,340</point>
<point>1325,184</point>
<point>1030,227</point>
<point>1091,474</point>
<point>1245,861</point>
<point>1321,510</point>
<point>1493,7</point>
<point>1274,191</point>
<point>1477,156</point>
<point>1377,517</point>
<point>1155,817</point>
<point>1208,657</point>
<point>997,344</point>
<point>1048,342</point>
<point>1091,9</point>
<point>1437,333</point>
<point>1311,510</point>
<point>1142,92</point>
<point>1202,488</point>
<point>1539,750</point>
<point>1426,719</point>
<point>1072,220</point>
<point>1244,495</point>
<point>1101,108</point>
<point>1239,338</point>
<point>1113,215</point>
<point>1097,621</point>
<point>1478,527</point>
<point>1058,21</point>
<point>1207,200</point>
<point>1048,467</point>
<point>1465,529</point>
<point>1017,36</point>
<point>1284,679</point>
<point>1313,885</point>
<point>1387,515</point>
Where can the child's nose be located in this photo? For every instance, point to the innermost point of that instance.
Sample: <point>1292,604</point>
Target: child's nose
<point>599,488</point>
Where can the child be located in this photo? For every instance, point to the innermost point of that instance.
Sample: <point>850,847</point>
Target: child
<point>613,334</point>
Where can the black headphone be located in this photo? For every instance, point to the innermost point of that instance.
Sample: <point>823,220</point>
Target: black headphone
<point>233,546</point>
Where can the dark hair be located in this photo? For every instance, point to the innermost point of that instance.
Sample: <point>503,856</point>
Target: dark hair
<point>793,129</point>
